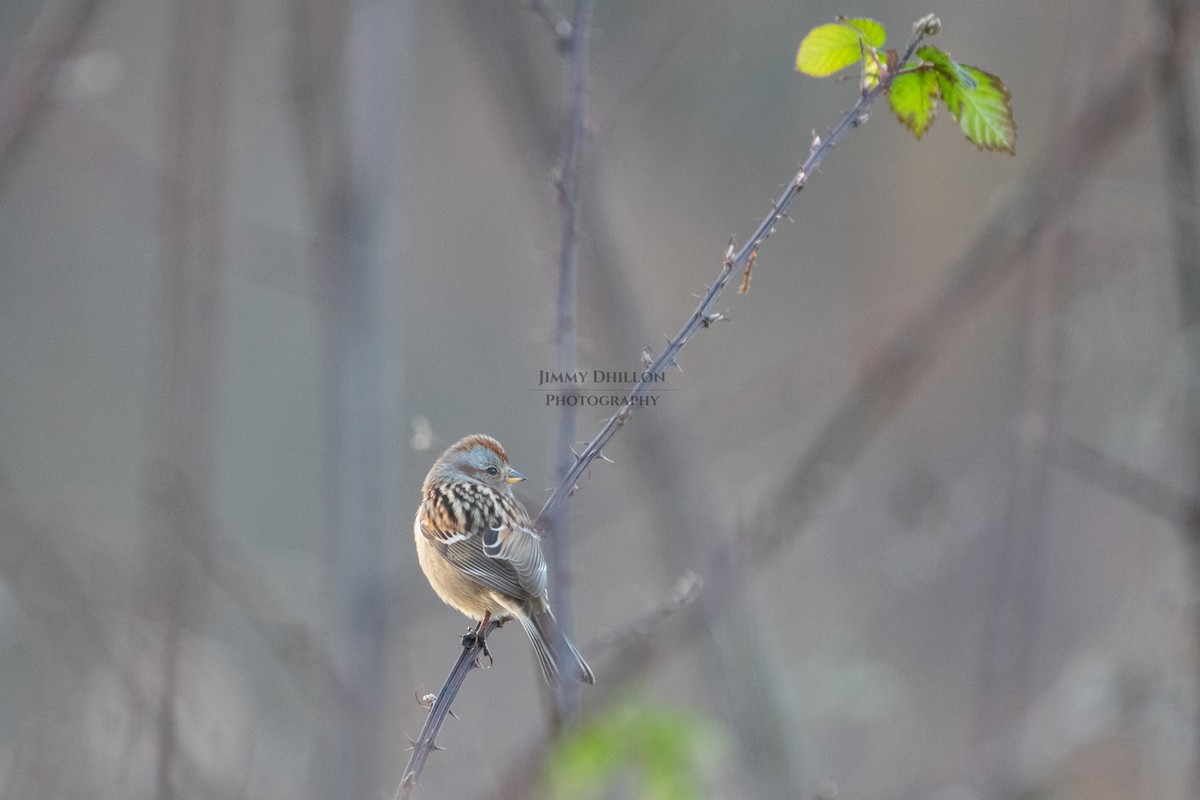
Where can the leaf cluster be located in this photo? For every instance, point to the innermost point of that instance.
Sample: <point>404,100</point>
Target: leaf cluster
<point>978,100</point>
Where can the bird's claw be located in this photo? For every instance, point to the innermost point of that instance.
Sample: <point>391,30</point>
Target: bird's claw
<point>474,638</point>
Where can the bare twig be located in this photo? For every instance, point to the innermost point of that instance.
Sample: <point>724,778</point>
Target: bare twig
<point>191,319</point>
<point>473,649</point>
<point>302,651</point>
<point>560,27</point>
<point>24,85</point>
<point>704,315</point>
<point>1150,494</point>
<point>566,696</point>
<point>1183,184</point>
<point>683,594</point>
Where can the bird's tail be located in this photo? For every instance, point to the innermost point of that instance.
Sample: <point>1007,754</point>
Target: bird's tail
<point>551,644</point>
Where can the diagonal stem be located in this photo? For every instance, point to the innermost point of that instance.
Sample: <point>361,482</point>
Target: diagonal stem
<point>468,659</point>
<point>704,316</point>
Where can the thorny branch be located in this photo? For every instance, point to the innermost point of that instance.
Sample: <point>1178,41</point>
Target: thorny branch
<point>702,317</point>
<point>473,650</point>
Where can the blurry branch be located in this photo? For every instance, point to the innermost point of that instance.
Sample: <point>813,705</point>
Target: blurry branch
<point>1179,151</point>
<point>318,30</point>
<point>30,75</point>
<point>249,585</point>
<point>638,635</point>
<point>1149,494</point>
<point>1112,109</point>
<point>352,79</point>
<point>189,318</point>
<point>67,618</point>
<point>673,30</point>
<point>682,595</point>
<point>566,696</point>
<point>560,27</point>
<point>1017,584</point>
<point>48,591</point>
<point>1182,176</point>
<point>360,193</point>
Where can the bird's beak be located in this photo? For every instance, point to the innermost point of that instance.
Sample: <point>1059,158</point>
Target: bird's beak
<point>514,476</point>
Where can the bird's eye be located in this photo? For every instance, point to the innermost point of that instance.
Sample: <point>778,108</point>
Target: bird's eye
<point>492,471</point>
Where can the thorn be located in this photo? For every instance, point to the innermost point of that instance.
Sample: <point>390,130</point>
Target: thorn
<point>411,743</point>
<point>647,357</point>
<point>425,700</point>
<point>606,458</point>
<point>450,711</point>
<point>435,747</point>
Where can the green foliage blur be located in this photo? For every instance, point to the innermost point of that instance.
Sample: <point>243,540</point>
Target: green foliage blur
<point>657,753</point>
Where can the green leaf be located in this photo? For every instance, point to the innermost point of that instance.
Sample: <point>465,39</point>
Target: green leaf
<point>913,97</point>
<point>983,111</point>
<point>829,48</point>
<point>978,100</point>
<point>939,58</point>
<point>872,32</point>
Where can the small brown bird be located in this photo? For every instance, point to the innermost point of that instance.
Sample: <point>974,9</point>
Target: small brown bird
<point>480,552</point>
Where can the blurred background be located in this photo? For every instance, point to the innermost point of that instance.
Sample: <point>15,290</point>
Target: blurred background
<point>919,521</point>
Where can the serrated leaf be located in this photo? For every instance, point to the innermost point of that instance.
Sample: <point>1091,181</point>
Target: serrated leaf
<point>984,112</point>
<point>913,97</point>
<point>939,58</point>
<point>873,33</point>
<point>978,100</point>
<point>829,48</point>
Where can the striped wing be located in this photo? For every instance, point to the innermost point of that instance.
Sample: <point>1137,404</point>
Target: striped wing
<point>504,557</point>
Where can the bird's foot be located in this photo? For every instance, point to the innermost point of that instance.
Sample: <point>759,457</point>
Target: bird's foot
<point>475,638</point>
